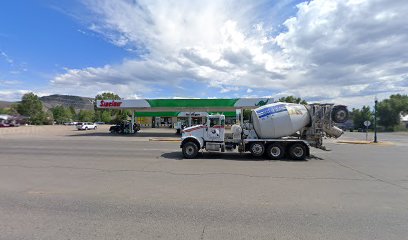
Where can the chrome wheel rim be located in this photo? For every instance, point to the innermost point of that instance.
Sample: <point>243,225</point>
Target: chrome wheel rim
<point>189,150</point>
<point>298,151</point>
<point>275,151</point>
<point>257,149</point>
<point>341,115</point>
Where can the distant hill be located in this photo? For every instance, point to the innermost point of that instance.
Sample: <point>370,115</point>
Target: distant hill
<point>5,104</point>
<point>77,102</point>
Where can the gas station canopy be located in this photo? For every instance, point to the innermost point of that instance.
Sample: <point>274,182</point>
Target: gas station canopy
<point>184,105</point>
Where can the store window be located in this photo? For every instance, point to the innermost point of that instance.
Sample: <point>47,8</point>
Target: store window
<point>230,120</point>
<point>165,121</point>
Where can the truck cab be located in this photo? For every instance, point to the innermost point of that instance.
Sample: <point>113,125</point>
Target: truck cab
<point>209,135</point>
<point>215,128</point>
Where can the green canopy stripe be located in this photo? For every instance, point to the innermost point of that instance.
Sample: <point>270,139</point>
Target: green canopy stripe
<point>156,103</point>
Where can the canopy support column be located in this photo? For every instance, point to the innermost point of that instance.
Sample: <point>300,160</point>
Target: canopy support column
<point>238,115</point>
<point>132,122</point>
<point>189,120</point>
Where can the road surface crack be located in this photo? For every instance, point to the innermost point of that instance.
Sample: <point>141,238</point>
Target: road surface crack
<point>369,175</point>
<point>202,233</point>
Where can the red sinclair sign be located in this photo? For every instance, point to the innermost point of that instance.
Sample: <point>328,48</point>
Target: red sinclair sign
<point>109,103</point>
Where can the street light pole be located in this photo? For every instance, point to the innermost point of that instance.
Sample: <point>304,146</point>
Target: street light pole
<point>375,119</point>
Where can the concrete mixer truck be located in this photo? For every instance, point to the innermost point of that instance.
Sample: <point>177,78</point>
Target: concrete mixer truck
<point>275,130</point>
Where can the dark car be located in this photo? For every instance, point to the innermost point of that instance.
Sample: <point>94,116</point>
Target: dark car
<point>123,128</point>
<point>4,125</point>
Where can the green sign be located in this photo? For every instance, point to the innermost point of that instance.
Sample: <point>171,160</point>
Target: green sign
<point>193,103</point>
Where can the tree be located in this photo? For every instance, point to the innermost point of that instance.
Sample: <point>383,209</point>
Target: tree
<point>106,117</point>
<point>73,113</point>
<point>4,110</point>
<point>107,95</point>
<point>359,116</point>
<point>31,106</point>
<point>246,114</point>
<point>390,110</point>
<point>61,114</point>
<point>122,116</point>
<point>72,110</point>
<point>13,109</point>
<point>292,99</point>
<point>48,118</point>
<point>86,116</point>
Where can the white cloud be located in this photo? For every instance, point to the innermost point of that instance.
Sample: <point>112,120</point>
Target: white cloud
<point>6,57</point>
<point>343,49</point>
<point>16,94</point>
<point>9,82</point>
<point>12,95</point>
<point>330,50</point>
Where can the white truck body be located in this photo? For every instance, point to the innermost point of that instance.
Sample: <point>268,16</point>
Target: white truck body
<point>276,129</point>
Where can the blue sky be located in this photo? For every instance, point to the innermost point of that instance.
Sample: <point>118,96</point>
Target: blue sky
<point>40,41</point>
<point>339,51</point>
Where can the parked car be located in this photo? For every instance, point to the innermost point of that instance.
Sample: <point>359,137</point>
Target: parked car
<point>71,123</point>
<point>123,128</point>
<point>11,121</point>
<point>86,126</point>
<point>3,124</point>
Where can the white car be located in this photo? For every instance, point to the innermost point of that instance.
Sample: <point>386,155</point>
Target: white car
<point>86,126</point>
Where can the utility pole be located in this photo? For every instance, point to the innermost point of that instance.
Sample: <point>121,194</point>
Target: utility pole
<point>375,119</point>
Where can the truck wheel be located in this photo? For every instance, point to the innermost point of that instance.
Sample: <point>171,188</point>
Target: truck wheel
<point>257,149</point>
<point>339,114</point>
<point>190,150</point>
<point>275,151</point>
<point>297,151</point>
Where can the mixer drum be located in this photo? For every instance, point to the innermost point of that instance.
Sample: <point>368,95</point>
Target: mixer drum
<point>279,119</point>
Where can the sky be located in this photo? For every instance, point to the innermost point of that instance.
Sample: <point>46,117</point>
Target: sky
<point>341,51</point>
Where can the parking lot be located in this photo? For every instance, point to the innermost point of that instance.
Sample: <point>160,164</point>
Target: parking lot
<point>59,183</point>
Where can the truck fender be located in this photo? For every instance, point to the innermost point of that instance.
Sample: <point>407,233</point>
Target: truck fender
<point>199,142</point>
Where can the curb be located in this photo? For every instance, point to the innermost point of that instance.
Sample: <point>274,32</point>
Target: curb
<point>364,142</point>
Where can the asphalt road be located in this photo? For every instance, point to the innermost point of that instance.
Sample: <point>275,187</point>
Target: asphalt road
<point>56,183</point>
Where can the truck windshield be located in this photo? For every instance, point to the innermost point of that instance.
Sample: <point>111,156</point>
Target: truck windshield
<point>214,121</point>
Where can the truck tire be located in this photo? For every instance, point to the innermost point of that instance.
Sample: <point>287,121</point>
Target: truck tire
<point>297,151</point>
<point>257,149</point>
<point>339,114</point>
<point>275,151</point>
<point>190,150</point>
